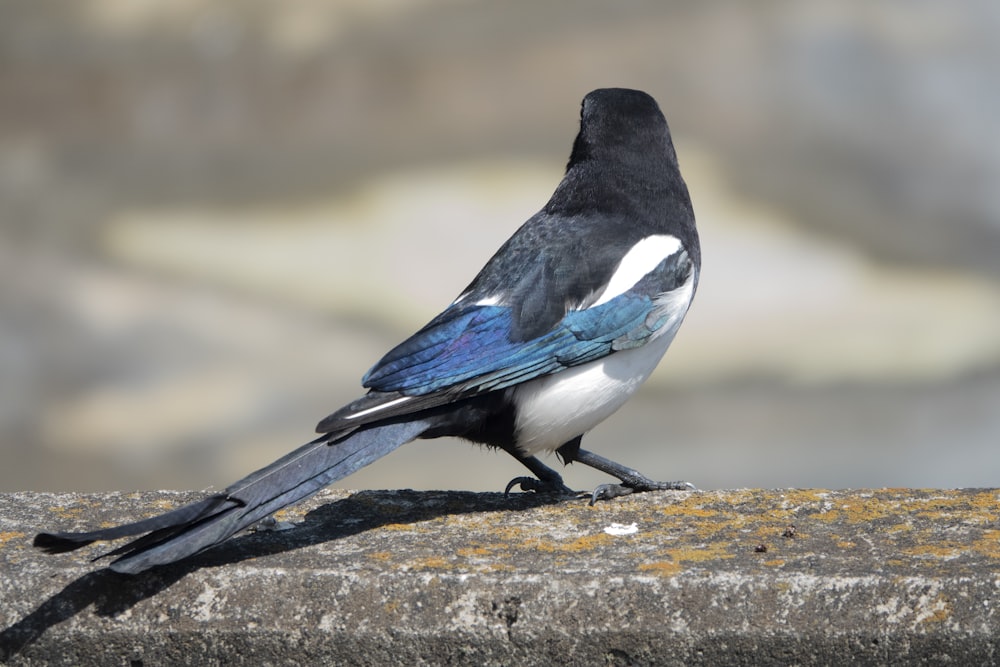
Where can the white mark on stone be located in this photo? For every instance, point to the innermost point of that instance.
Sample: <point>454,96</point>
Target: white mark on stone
<point>622,529</point>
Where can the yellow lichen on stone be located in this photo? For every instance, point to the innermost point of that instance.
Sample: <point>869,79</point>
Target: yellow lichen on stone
<point>699,554</point>
<point>663,568</point>
<point>430,563</point>
<point>67,512</point>
<point>685,511</point>
<point>164,505</point>
<point>988,544</point>
<point>469,552</point>
<point>7,536</point>
<point>941,550</point>
<point>401,527</point>
<point>580,544</point>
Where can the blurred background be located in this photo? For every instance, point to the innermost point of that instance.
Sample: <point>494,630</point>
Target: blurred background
<point>215,216</point>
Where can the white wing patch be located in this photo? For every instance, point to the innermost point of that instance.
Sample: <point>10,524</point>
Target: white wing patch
<point>494,300</point>
<point>642,258</point>
<point>490,301</point>
<point>382,406</point>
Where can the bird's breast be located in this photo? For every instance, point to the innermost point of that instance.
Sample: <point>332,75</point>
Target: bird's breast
<point>554,409</point>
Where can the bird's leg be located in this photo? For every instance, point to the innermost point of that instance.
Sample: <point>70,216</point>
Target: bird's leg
<point>546,480</point>
<point>632,480</point>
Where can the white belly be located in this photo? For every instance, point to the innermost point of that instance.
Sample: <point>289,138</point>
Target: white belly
<point>554,409</point>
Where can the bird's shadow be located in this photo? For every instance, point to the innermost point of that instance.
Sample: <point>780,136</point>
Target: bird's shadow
<point>112,593</point>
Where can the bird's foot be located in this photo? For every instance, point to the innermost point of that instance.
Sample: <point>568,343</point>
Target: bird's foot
<point>270,524</point>
<point>636,485</point>
<point>553,486</point>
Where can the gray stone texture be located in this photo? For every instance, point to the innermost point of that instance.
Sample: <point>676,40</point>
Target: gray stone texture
<point>892,576</point>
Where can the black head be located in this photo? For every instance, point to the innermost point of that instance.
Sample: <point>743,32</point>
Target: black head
<point>621,121</point>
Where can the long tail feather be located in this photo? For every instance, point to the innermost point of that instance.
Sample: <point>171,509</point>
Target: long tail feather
<point>193,528</point>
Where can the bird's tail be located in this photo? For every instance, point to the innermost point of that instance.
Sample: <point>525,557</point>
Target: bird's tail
<point>193,528</point>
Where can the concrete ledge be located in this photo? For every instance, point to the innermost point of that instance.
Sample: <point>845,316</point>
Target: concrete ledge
<point>405,577</point>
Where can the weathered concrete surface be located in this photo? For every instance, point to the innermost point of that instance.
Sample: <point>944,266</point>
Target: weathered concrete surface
<point>402,577</point>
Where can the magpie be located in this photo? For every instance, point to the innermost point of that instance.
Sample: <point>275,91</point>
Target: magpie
<point>556,332</point>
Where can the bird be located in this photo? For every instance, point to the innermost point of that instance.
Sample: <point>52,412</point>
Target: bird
<point>559,328</point>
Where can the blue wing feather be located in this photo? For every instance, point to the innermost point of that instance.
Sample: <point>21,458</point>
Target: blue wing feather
<point>469,348</point>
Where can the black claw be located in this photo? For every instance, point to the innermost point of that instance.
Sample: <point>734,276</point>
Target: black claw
<point>526,484</point>
<point>609,491</point>
<point>554,486</point>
